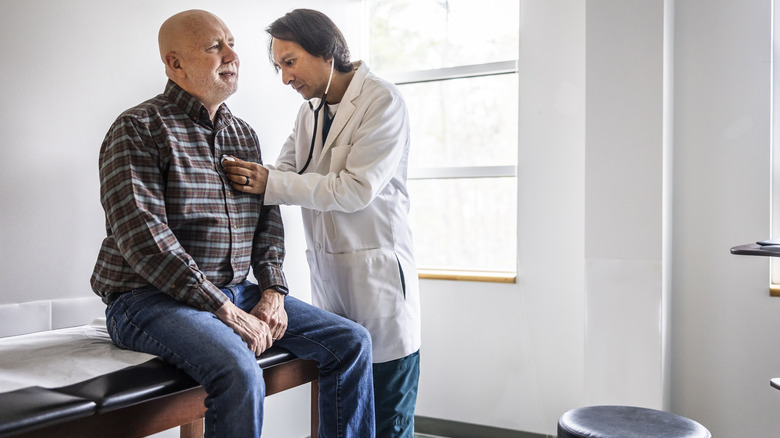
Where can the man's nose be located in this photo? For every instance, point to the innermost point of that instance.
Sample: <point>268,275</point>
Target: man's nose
<point>230,55</point>
<point>287,77</point>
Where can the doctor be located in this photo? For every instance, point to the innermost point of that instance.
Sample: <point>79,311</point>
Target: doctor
<point>345,165</point>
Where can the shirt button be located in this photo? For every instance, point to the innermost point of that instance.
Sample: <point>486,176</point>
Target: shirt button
<point>318,246</point>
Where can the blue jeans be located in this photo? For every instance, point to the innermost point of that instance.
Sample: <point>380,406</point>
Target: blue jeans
<point>150,321</point>
<point>395,389</point>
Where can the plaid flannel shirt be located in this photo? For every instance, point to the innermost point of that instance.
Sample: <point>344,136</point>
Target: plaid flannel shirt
<point>172,220</point>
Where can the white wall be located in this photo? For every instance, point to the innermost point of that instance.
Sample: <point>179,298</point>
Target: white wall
<point>624,202</point>
<point>725,347</point>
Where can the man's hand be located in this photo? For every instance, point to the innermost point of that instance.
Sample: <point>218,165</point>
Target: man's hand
<point>252,330</point>
<point>270,309</point>
<point>245,176</point>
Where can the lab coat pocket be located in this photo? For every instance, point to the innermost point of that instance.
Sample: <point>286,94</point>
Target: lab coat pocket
<point>338,157</point>
<point>365,284</point>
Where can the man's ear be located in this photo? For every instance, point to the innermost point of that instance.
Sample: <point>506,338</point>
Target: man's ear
<point>173,64</point>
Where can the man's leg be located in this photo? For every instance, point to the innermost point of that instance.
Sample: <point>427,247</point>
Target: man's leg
<point>342,349</point>
<point>395,389</point>
<point>205,348</point>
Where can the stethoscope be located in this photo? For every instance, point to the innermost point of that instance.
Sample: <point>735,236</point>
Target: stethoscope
<point>316,118</point>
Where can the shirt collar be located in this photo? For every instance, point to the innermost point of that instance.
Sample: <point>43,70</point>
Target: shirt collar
<point>194,109</point>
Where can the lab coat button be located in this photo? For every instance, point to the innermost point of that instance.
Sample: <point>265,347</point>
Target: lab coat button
<point>318,246</point>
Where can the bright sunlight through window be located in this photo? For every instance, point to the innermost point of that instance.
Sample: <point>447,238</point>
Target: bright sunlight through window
<point>456,64</point>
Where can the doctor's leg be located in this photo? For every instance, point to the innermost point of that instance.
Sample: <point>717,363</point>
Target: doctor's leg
<point>395,390</point>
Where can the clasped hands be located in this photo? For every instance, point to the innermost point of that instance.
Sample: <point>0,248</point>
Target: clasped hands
<point>245,176</point>
<point>266,323</point>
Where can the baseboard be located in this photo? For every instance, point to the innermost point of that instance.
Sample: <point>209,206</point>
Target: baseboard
<point>457,429</point>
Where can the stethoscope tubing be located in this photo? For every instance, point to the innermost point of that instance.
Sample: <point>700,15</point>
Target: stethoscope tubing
<point>316,119</point>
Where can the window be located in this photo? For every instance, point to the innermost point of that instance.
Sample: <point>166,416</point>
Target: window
<point>456,63</point>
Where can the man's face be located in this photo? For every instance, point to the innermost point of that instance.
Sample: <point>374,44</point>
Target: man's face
<point>209,61</point>
<point>307,74</point>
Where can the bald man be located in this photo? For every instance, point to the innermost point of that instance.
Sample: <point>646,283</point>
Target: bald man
<point>180,241</point>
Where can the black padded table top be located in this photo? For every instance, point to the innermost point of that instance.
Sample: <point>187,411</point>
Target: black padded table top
<point>32,407</point>
<point>148,380</point>
<point>35,407</point>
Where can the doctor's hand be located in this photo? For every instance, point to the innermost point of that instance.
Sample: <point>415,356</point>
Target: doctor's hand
<point>245,176</point>
<point>256,333</point>
<point>270,309</point>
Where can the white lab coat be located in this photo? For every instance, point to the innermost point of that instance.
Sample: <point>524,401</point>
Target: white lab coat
<point>355,212</point>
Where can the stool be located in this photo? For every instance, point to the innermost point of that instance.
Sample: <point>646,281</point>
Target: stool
<point>627,422</point>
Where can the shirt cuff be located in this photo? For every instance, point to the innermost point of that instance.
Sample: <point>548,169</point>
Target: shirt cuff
<point>270,276</point>
<point>209,297</point>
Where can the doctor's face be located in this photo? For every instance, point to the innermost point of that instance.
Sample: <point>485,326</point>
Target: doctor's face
<point>306,73</point>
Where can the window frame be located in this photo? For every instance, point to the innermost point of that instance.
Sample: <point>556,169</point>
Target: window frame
<point>449,73</point>
<point>457,172</point>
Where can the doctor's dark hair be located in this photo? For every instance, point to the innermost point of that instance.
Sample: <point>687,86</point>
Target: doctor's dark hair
<point>313,31</point>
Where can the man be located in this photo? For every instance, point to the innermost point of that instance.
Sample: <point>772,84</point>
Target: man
<point>173,267</point>
<point>346,166</point>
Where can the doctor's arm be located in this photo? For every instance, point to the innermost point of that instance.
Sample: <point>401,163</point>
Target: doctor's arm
<point>237,170</point>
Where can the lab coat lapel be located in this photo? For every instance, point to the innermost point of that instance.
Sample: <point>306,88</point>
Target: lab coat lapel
<point>346,108</point>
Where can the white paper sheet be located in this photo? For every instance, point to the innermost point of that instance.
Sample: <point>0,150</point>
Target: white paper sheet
<point>62,357</point>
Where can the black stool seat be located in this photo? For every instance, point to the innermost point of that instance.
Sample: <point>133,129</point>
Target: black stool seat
<point>627,422</point>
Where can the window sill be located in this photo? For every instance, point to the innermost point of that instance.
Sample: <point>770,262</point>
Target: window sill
<point>453,275</point>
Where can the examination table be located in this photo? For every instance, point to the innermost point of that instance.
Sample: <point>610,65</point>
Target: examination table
<point>75,382</point>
